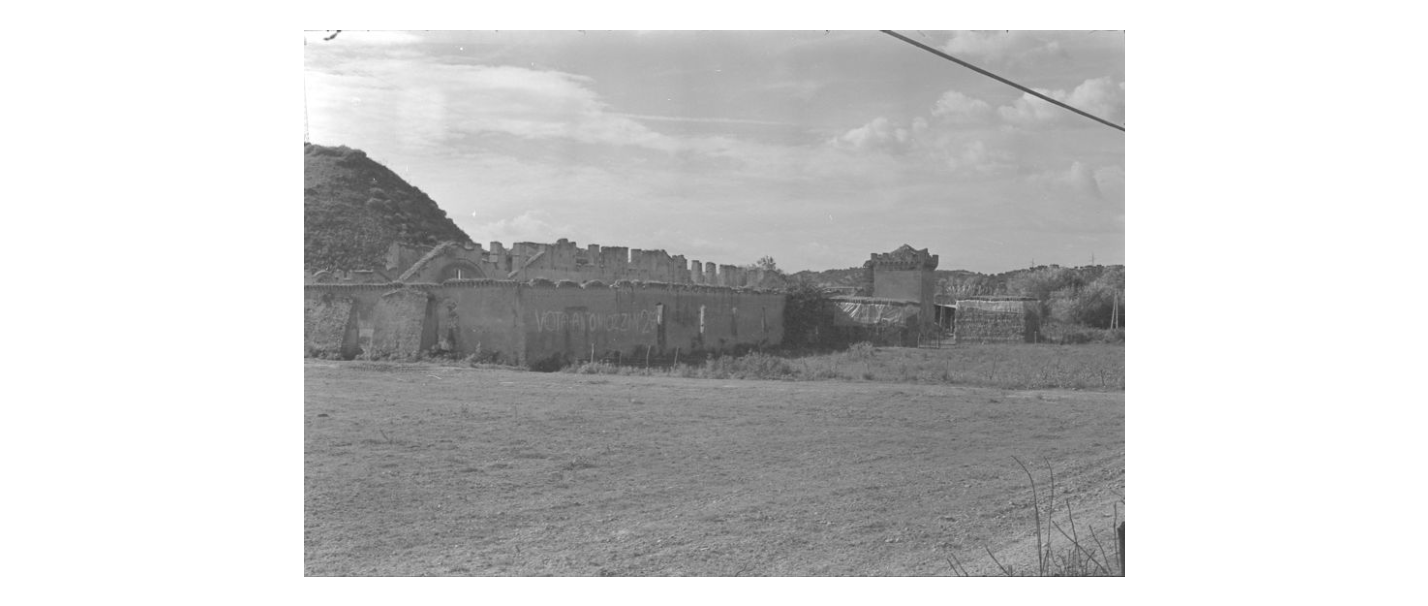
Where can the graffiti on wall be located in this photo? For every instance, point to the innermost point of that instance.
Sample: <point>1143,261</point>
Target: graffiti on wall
<point>642,322</point>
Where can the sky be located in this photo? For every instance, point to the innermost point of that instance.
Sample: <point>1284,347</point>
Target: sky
<point>816,148</point>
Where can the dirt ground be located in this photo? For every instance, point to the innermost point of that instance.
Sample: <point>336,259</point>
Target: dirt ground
<point>420,469</point>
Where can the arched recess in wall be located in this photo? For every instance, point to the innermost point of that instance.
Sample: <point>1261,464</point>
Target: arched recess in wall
<point>460,270</point>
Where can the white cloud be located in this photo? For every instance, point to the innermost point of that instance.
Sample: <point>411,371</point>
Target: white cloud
<point>1079,198</point>
<point>1099,97</point>
<point>529,226</point>
<point>1082,179</point>
<point>880,134</point>
<point>958,133</point>
<point>1013,47</point>
<point>426,106</point>
<point>957,108</point>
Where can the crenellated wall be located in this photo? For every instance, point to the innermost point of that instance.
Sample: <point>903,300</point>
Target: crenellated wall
<point>564,260</point>
<point>526,323</point>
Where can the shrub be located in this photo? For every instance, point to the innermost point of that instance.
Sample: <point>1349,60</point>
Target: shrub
<point>549,363</point>
<point>806,316</point>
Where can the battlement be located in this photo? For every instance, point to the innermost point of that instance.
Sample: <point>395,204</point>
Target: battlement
<point>457,263</point>
<point>904,257</point>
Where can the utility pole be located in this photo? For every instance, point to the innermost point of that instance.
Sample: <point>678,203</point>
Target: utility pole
<point>1116,312</point>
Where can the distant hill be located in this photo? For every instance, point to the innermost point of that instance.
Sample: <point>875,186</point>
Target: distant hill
<point>853,276</point>
<point>354,208</point>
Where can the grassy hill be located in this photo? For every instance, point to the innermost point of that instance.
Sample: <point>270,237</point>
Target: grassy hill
<point>354,208</point>
<point>852,276</point>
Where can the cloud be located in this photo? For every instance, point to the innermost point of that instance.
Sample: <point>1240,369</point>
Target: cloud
<point>1003,47</point>
<point>430,104</point>
<point>1082,179</point>
<point>956,108</point>
<point>529,226</point>
<point>686,119</point>
<point>1099,97</point>
<point>880,134</point>
<point>1079,198</point>
<point>975,157</point>
<point>958,132</point>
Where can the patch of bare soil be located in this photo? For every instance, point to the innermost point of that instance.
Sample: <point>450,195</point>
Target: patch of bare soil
<point>415,469</point>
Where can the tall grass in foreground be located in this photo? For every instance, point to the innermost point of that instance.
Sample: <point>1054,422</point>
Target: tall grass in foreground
<point>1079,556</point>
<point>1008,366</point>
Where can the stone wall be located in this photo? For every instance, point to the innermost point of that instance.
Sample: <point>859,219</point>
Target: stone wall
<point>997,321</point>
<point>526,323</point>
<point>564,260</point>
<point>326,323</point>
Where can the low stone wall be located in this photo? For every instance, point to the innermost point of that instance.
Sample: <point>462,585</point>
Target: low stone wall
<point>987,321</point>
<point>539,321</point>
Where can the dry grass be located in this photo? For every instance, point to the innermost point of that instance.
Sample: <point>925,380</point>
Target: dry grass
<point>422,469</point>
<point>1008,366</point>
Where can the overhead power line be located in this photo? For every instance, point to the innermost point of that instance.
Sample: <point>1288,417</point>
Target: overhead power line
<point>999,78</point>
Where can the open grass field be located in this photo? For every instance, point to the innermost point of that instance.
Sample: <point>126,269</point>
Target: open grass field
<point>424,469</point>
<point>1009,366</point>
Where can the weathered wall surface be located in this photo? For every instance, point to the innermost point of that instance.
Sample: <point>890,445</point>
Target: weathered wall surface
<point>399,322</point>
<point>327,318</point>
<point>382,320</point>
<point>480,317</point>
<point>1013,321</point>
<point>570,321</point>
<point>658,318</point>
<point>525,323</point>
<point>906,285</point>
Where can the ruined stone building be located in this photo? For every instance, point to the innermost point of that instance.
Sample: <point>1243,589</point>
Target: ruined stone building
<point>564,260</point>
<point>537,304</point>
<point>898,308</point>
<point>547,304</point>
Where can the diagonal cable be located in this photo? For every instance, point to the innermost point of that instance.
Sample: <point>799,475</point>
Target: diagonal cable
<point>999,78</point>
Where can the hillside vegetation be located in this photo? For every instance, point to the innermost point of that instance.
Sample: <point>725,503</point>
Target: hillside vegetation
<point>354,208</point>
<point>1091,295</point>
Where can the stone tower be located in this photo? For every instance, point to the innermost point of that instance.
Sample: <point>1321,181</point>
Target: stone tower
<point>906,274</point>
